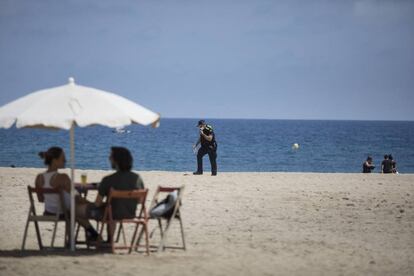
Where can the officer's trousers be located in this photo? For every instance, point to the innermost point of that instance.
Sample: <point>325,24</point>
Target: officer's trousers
<point>212,155</point>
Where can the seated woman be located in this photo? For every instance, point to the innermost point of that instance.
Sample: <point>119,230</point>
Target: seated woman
<point>55,159</point>
<point>394,164</point>
<point>123,179</point>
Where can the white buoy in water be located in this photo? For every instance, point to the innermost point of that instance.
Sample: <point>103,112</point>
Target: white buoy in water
<point>295,146</point>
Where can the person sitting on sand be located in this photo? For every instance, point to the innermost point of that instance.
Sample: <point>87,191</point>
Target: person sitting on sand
<point>367,167</point>
<point>386,165</point>
<point>55,159</point>
<point>394,164</point>
<point>123,179</point>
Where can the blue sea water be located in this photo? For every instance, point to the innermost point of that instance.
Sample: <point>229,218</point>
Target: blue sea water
<point>244,145</point>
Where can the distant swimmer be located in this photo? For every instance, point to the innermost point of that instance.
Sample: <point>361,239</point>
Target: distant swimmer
<point>367,167</point>
<point>295,146</point>
<point>208,146</point>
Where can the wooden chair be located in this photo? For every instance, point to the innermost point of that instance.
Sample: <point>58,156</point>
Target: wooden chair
<point>140,196</point>
<point>33,217</point>
<point>176,215</point>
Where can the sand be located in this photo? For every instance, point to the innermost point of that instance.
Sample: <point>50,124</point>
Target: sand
<point>242,224</point>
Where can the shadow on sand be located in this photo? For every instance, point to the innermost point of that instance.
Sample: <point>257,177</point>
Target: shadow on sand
<point>16,253</point>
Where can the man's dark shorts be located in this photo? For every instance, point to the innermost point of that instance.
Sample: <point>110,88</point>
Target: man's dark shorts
<point>94,212</point>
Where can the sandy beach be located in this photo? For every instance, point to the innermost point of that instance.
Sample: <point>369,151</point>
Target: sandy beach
<point>242,224</point>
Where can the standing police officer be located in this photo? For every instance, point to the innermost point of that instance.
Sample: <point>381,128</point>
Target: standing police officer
<point>208,146</point>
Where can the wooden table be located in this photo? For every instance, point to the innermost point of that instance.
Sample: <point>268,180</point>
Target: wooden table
<point>83,189</point>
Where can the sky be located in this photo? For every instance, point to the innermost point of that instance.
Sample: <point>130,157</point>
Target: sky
<point>339,60</point>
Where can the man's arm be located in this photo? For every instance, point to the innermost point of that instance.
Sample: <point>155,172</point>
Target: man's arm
<point>207,137</point>
<point>98,200</point>
<point>103,191</point>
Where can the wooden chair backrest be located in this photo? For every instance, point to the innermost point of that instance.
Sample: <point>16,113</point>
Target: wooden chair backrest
<point>140,195</point>
<point>41,191</point>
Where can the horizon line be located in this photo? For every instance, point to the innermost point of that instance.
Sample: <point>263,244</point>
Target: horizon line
<point>286,119</point>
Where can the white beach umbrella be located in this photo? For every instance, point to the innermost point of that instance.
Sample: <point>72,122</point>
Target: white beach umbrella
<point>67,106</point>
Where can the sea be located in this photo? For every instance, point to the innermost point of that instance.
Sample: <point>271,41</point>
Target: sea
<point>243,145</point>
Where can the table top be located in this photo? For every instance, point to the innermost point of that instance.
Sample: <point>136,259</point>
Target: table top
<point>86,187</point>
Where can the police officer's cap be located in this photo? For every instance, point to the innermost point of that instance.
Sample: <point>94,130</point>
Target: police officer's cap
<point>201,122</point>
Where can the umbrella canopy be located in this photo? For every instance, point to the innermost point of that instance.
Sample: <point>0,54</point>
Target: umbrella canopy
<point>61,106</point>
<point>67,106</point>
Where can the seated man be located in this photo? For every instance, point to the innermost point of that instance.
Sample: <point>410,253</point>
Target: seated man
<point>386,165</point>
<point>123,179</point>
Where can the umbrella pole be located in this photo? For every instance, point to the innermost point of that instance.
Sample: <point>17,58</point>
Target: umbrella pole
<point>72,187</point>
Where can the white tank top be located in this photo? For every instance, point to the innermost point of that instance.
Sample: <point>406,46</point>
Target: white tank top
<point>52,201</point>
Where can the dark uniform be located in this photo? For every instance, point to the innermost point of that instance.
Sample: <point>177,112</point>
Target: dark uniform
<point>207,147</point>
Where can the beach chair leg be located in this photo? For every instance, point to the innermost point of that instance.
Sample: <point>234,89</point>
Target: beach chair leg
<point>160,227</point>
<point>182,233</point>
<point>53,235</point>
<point>111,235</point>
<point>119,232</point>
<point>25,233</point>
<point>139,238</point>
<point>133,239</point>
<point>164,236</point>
<point>153,231</point>
<point>123,236</point>
<point>39,238</point>
<point>146,238</point>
